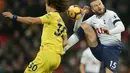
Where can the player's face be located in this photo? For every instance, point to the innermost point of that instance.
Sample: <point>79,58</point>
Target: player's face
<point>98,7</point>
<point>47,8</point>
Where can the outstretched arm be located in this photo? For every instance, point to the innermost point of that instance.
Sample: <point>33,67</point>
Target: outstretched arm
<point>26,20</point>
<point>77,24</point>
<point>74,38</point>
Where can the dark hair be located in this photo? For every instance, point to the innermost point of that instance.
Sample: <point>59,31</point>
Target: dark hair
<point>60,5</point>
<point>90,1</point>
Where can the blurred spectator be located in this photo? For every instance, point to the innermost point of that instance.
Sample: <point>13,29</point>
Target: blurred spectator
<point>88,63</point>
<point>2,5</point>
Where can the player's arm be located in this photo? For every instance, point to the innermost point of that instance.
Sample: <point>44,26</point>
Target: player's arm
<point>26,20</point>
<point>73,39</point>
<point>118,29</point>
<point>83,61</point>
<point>82,68</point>
<point>78,22</point>
<point>64,36</point>
<point>65,41</point>
<point>119,26</point>
<point>78,31</point>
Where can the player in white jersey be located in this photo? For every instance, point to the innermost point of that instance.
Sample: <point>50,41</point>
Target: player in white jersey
<point>108,28</point>
<point>88,63</point>
<point>109,20</point>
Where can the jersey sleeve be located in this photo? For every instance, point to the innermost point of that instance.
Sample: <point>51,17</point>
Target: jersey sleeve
<point>114,18</point>
<point>119,26</point>
<point>45,18</point>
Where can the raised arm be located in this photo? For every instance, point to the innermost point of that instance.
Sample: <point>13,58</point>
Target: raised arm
<point>78,31</point>
<point>77,24</point>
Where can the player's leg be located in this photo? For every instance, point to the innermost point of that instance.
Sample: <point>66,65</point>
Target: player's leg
<point>84,30</point>
<point>54,61</point>
<point>110,55</point>
<point>89,34</point>
<point>36,64</point>
<point>108,70</point>
<point>45,62</point>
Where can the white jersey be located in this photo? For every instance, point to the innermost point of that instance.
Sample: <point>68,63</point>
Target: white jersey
<point>91,63</point>
<point>110,20</point>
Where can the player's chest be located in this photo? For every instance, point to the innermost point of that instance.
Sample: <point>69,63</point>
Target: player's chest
<point>103,22</point>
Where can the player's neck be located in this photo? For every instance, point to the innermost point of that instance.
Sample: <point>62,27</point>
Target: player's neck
<point>52,10</point>
<point>100,15</point>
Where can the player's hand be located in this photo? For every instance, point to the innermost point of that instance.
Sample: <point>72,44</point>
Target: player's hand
<point>106,30</point>
<point>85,9</point>
<point>8,14</point>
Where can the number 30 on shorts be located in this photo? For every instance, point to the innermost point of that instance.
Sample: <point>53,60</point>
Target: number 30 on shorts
<point>32,66</point>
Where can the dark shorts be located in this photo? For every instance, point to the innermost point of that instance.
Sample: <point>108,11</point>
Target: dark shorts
<point>108,55</point>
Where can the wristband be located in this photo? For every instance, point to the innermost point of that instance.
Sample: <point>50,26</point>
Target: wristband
<point>14,17</point>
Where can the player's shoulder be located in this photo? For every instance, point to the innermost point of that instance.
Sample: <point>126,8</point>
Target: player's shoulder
<point>50,14</point>
<point>110,12</point>
<point>87,51</point>
<point>93,16</point>
<point>55,15</point>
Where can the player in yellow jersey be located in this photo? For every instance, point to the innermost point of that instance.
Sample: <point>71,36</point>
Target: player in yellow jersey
<point>53,39</point>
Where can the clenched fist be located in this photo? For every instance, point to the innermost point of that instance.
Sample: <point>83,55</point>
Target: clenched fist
<point>85,9</point>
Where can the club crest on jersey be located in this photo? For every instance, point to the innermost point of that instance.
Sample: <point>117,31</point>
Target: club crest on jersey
<point>48,15</point>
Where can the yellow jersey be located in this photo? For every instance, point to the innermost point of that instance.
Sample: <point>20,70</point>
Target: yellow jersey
<point>53,31</point>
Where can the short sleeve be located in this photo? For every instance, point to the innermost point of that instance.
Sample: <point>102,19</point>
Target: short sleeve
<point>114,18</point>
<point>46,18</point>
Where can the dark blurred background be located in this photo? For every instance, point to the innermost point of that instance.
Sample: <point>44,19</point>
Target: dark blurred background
<point>19,43</point>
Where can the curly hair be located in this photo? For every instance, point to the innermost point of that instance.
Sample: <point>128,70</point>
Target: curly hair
<point>60,5</point>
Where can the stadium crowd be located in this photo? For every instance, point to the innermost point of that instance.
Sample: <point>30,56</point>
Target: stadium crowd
<point>19,43</point>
